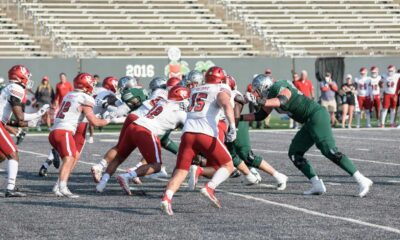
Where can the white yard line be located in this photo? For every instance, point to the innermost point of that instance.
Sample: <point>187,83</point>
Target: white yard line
<point>319,155</point>
<point>284,205</point>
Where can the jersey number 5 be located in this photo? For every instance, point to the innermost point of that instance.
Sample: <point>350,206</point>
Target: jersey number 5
<point>197,102</point>
<point>63,109</point>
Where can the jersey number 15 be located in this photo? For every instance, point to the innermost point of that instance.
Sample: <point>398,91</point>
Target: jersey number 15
<point>197,102</point>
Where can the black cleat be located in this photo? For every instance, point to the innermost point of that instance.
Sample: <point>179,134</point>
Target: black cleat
<point>43,171</point>
<point>20,136</point>
<point>56,160</point>
<point>236,173</point>
<point>14,193</point>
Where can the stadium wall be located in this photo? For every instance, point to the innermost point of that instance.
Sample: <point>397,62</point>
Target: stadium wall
<point>146,68</point>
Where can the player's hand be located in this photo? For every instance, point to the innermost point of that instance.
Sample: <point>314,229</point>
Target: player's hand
<point>43,109</point>
<point>250,98</point>
<point>110,115</point>
<point>103,103</point>
<point>231,135</point>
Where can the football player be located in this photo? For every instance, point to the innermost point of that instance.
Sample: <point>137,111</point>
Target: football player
<point>284,97</point>
<point>240,150</point>
<point>11,103</point>
<point>76,106</point>
<point>363,83</point>
<point>144,134</point>
<point>391,88</point>
<point>376,82</point>
<point>200,135</point>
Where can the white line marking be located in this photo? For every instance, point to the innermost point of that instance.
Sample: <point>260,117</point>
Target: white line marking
<point>362,149</point>
<point>333,183</point>
<point>2,170</point>
<point>318,155</point>
<point>306,211</point>
<point>315,213</point>
<point>108,140</point>
<point>393,181</point>
<point>96,155</point>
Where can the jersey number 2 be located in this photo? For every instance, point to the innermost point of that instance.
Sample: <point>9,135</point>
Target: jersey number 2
<point>197,102</point>
<point>63,109</point>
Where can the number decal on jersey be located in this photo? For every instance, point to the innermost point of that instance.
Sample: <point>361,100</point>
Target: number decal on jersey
<point>155,101</point>
<point>197,102</point>
<point>155,111</point>
<point>390,84</point>
<point>63,109</point>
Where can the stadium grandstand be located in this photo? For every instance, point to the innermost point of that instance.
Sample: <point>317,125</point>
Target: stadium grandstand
<point>225,28</point>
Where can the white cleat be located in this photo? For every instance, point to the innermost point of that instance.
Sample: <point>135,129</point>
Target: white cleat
<point>251,179</point>
<point>281,180</point>
<point>192,181</point>
<point>365,186</point>
<point>97,173</point>
<point>124,183</point>
<point>256,173</point>
<point>162,173</point>
<point>90,140</point>
<point>318,188</point>
<point>56,191</point>
<point>166,207</point>
<point>101,186</point>
<point>66,193</point>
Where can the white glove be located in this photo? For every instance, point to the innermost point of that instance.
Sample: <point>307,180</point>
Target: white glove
<point>101,103</point>
<point>43,109</point>
<point>109,115</point>
<point>231,135</point>
<point>250,98</point>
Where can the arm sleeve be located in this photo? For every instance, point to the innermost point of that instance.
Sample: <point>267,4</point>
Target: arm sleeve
<point>260,115</point>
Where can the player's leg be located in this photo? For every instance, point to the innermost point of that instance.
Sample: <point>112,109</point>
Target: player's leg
<point>351,112</point>
<point>186,154</point>
<point>168,144</point>
<point>361,102</point>
<point>393,106</point>
<point>345,109</point>
<point>301,142</point>
<point>91,133</point>
<point>323,137</point>
<point>150,148</point>
<point>385,108</point>
<point>97,169</point>
<point>377,106</point>
<point>80,139</point>
<point>368,108</point>
<point>125,148</point>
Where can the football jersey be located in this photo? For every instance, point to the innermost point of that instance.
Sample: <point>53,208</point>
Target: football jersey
<point>70,113</point>
<point>165,116</point>
<point>204,111</point>
<point>156,96</point>
<point>390,83</point>
<point>363,86</point>
<point>10,90</point>
<point>376,90</point>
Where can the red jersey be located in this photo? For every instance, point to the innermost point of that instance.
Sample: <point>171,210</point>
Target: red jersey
<point>305,87</point>
<point>61,90</point>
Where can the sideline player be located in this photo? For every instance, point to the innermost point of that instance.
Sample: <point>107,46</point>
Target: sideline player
<point>376,82</point>
<point>11,103</point>
<point>363,83</point>
<point>391,88</point>
<point>283,96</point>
<point>200,135</point>
<point>76,106</point>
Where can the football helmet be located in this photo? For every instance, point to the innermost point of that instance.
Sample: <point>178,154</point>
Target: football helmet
<point>261,83</point>
<point>172,82</point>
<point>110,83</point>
<point>194,79</point>
<point>215,75</point>
<point>178,93</point>
<point>158,82</point>
<point>21,75</point>
<point>126,82</point>
<point>231,82</point>
<point>84,82</point>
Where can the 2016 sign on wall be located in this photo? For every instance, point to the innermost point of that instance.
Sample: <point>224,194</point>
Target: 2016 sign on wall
<point>141,71</point>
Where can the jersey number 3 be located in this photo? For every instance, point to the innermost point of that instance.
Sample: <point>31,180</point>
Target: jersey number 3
<point>197,102</point>
<point>63,109</point>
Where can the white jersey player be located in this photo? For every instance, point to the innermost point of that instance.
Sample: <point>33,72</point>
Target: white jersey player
<point>76,106</point>
<point>364,93</point>
<point>144,133</point>
<point>391,88</point>
<point>200,135</point>
<point>11,102</point>
<point>376,82</point>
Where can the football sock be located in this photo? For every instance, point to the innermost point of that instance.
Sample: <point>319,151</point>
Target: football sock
<point>103,163</point>
<point>172,147</point>
<point>169,194</point>
<point>383,116</point>
<point>314,180</point>
<point>358,176</point>
<point>105,178</point>
<point>358,117</point>
<point>220,176</point>
<point>12,169</point>
<point>308,170</point>
<point>51,156</point>
<point>347,165</point>
<point>392,115</point>
<point>62,184</point>
<point>47,163</point>
<point>368,117</point>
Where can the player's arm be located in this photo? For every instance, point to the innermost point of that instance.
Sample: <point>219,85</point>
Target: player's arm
<point>223,100</point>
<point>91,117</point>
<point>262,114</point>
<point>11,130</point>
<point>333,86</point>
<point>281,99</point>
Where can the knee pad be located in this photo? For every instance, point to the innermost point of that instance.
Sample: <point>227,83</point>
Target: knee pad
<point>253,160</point>
<point>298,160</point>
<point>236,160</point>
<point>334,155</point>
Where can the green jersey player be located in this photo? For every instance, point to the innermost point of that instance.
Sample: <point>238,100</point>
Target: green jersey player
<point>284,97</point>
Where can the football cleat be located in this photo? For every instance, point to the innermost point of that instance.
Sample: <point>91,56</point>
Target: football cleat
<point>124,183</point>
<point>20,136</point>
<point>166,206</point>
<point>90,140</point>
<point>251,179</point>
<point>365,186</point>
<point>43,171</point>
<point>136,180</point>
<point>97,173</point>
<point>194,174</point>
<point>317,188</point>
<point>65,192</point>
<point>101,186</point>
<point>236,173</point>
<point>210,195</point>
<point>14,193</point>
<point>57,158</point>
<point>281,180</point>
